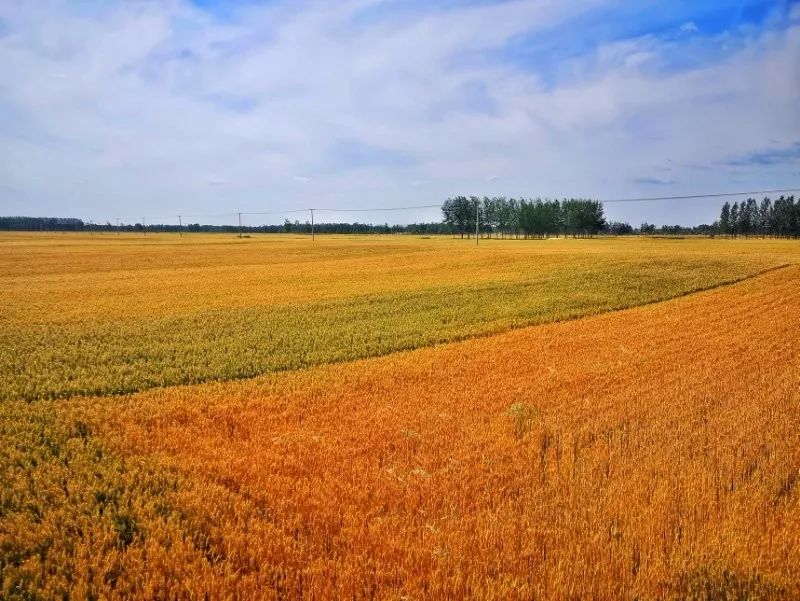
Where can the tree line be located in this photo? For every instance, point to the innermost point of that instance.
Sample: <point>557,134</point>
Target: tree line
<point>358,228</point>
<point>33,224</point>
<point>70,224</point>
<point>780,218</point>
<point>496,216</point>
<point>530,218</point>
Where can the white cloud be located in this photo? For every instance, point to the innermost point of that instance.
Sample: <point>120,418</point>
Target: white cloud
<point>636,59</point>
<point>130,105</point>
<point>689,26</point>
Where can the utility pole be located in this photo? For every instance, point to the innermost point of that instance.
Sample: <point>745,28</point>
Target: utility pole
<point>144,227</point>
<point>240,225</point>
<point>312,224</point>
<point>180,227</point>
<point>117,226</point>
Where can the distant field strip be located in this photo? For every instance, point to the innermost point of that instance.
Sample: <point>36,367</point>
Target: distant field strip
<point>61,279</point>
<point>48,357</point>
<point>648,453</point>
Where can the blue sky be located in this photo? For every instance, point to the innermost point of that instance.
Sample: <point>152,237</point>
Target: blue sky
<point>208,108</point>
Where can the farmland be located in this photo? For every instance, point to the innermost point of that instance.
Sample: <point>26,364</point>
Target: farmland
<point>393,417</point>
<point>108,315</point>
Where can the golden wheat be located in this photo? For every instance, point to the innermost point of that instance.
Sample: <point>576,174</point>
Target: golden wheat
<point>108,315</point>
<point>648,453</point>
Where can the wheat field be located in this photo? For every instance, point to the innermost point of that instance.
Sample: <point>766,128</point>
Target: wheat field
<point>399,418</point>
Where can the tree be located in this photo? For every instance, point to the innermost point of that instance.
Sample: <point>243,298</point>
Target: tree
<point>460,214</point>
<point>780,218</point>
<point>492,214</point>
<point>582,217</point>
<point>503,215</point>
<point>749,217</point>
<point>513,216</point>
<point>725,219</point>
<point>735,219</point>
<point>618,228</point>
<point>764,216</point>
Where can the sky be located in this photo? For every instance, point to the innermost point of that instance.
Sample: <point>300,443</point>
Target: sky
<point>208,108</point>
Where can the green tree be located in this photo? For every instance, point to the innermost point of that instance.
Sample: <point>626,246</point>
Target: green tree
<point>725,219</point>
<point>765,216</point>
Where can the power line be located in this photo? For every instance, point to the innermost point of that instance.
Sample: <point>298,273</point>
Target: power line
<point>274,212</point>
<point>611,200</point>
<point>172,217</point>
<point>337,210</point>
<point>228,214</point>
<point>695,196</point>
<point>436,206</point>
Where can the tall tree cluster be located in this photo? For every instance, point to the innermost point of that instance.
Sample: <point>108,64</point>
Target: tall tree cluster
<point>780,218</point>
<point>536,218</point>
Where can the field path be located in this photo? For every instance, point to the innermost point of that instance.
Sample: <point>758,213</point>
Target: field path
<point>642,452</point>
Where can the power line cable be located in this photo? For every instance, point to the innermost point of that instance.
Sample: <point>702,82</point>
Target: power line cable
<point>611,200</point>
<point>274,212</point>
<point>228,214</point>
<point>695,196</point>
<point>437,206</point>
<point>152,219</point>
